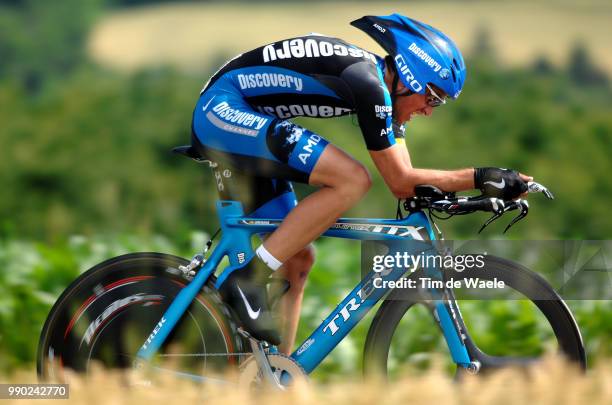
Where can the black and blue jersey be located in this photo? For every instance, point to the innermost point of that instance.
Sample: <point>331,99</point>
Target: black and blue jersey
<point>244,111</point>
<point>313,76</point>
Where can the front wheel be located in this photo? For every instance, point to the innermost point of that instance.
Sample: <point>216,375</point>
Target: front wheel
<point>535,320</point>
<point>107,313</point>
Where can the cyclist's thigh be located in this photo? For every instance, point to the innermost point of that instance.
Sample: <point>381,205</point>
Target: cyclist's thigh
<point>227,129</point>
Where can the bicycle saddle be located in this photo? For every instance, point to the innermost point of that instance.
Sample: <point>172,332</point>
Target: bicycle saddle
<point>188,151</point>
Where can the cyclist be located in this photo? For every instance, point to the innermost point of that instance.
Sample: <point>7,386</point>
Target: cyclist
<point>242,119</point>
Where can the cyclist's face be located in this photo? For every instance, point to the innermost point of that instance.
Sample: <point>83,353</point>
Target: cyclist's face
<point>408,106</point>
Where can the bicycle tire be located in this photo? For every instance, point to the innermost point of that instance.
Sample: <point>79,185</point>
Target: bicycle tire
<point>110,310</point>
<point>531,285</point>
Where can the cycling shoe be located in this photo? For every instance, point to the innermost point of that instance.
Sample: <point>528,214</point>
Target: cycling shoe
<point>245,292</point>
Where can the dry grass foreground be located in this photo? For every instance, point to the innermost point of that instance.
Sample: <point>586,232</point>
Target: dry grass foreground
<point>193,36</point>
<point>551,382</point>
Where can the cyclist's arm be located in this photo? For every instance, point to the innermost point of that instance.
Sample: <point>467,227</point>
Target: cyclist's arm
<point>396,169</point>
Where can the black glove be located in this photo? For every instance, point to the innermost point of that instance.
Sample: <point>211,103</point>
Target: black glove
<point>501,183</point>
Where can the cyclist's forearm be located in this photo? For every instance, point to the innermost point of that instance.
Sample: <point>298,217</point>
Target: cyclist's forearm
<point>447,180</point>
<point>396,169</point>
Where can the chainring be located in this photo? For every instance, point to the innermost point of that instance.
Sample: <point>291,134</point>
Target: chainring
<point>285,368</point>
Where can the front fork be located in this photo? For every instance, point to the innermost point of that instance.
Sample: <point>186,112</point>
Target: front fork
<point>445,310</point>
<point>462,348</point>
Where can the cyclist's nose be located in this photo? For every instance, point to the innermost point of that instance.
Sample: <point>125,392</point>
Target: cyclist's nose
<point>427,111</point>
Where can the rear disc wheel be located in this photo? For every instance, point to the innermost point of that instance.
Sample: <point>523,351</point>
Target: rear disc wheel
<point>106,314</point>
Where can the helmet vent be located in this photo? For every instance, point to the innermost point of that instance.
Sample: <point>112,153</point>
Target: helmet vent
<point>454,74</point>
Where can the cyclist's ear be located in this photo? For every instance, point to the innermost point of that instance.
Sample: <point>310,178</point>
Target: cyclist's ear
<point>390,64</point>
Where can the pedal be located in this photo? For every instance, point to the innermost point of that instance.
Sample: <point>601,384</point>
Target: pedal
<point>244,333</point>
<point>259,354</point>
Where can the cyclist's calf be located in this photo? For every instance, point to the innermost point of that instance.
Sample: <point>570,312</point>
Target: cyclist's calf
<point>296,269</point>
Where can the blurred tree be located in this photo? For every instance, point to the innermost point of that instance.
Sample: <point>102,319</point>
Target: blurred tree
<point>483,46</point>
<point>581,68</point>
<point>542,65</point>
<point>42,39</point>
<point>482,58</point>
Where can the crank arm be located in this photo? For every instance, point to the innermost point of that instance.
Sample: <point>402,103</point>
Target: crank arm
<point>523,205</point>
<point>259,353</point>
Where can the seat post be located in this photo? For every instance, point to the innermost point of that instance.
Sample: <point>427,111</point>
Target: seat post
<point>221,173</point>
<point>223,180</point>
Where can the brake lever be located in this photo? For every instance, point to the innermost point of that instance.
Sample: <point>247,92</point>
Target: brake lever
<point>499,211</point>
<point>533,187</point>
<point>523,205</point>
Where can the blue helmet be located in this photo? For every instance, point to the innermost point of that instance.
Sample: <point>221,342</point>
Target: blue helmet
<point>422,53</point>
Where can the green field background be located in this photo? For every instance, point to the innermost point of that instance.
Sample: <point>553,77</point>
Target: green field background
<point>94,94</point>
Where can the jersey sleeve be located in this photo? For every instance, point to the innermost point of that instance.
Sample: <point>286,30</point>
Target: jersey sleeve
<point>372,104</point>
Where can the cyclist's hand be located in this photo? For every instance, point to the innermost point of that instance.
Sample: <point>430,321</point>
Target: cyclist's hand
<point>501,183</point>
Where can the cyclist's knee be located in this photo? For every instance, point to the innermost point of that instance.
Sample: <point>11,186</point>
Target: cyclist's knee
<point>353,182</point>
<point>361,179</point>
<point>338,170</point>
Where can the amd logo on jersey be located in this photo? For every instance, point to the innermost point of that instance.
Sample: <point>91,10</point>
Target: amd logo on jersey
<point>313,140</point>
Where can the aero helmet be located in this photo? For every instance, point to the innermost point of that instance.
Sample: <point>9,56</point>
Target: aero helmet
<point>422,54</point>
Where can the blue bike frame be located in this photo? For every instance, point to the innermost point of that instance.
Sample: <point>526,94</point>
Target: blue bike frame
<point>235,243</point>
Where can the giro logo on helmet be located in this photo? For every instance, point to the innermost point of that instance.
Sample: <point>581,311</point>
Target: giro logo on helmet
<point>408,75</point>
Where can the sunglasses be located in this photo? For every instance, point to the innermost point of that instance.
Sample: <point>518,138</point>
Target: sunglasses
<point>433,98</point>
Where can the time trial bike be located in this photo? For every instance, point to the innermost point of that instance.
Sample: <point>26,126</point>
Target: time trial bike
<point>164,312</point>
